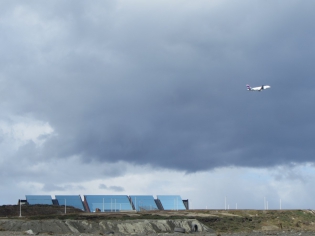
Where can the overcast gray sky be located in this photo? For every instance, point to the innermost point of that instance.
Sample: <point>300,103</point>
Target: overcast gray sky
<point>149,97</point>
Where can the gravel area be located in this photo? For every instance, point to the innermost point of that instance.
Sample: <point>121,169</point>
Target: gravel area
<point>280,233</point>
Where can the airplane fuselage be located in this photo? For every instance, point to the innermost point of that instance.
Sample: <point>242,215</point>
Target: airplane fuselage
<point>257,88</point>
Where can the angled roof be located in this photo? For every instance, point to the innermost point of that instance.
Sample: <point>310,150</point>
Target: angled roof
<point>143,202</point>
<point>70,200</point>
<point>171,202</point>
<point>108,202</point>
<point>39,199</point>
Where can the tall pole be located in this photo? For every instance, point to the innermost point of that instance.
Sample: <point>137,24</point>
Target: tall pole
<point>103,204</point>
<point>174,205</point>
<point>225,203</point>
<point>65,206</point>
<point>20,208</point>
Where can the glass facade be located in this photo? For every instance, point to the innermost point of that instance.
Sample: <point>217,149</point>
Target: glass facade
<point>171,202</point>
<point>143,202</point>
<point>70,200</point>
<point>108,203</point>
<point>39,199</point>
<point>112,203</point>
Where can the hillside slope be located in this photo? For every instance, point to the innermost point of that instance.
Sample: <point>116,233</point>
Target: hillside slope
<point>219,220</point>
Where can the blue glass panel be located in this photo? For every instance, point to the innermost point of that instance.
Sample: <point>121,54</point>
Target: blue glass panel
<point>171,202</point>
<point>39,199</point>
<point>70,200</point>
<point>109,203</point>
<point>143,202</point>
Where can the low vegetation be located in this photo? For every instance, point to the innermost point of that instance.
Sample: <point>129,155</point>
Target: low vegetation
<point>218,220</point>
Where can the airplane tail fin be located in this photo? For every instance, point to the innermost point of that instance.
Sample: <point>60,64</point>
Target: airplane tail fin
<point>248,87</point>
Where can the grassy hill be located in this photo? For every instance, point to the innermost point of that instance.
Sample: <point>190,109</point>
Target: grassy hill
<point>218,220</point>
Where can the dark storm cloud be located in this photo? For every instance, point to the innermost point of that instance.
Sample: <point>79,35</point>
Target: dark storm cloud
<point>150,84</point>
<point>52,187</point>
<point>113,188</point>
<point>116,188</point>
<point>102,186</point>
<point>49,187</point>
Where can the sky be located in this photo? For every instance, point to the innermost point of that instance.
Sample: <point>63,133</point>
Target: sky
<point>149,97</point>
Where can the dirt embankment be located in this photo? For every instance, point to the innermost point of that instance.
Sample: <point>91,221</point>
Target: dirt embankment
<point>53,220</point>
<point>127,227</point>
<point>35,210</point>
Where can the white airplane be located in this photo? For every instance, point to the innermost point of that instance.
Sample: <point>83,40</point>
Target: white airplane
<point>257,88</point>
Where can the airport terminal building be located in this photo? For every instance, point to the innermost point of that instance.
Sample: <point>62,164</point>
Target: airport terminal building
<point>111,203</point>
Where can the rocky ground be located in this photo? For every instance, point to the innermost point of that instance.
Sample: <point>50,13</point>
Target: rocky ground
<point>47,220</point>
<point>273,233</point>
<point>102,227</point>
